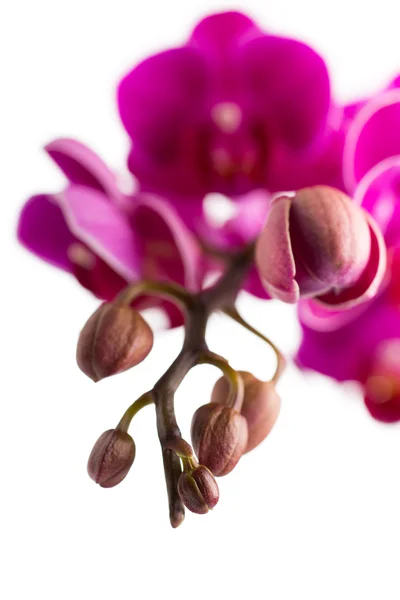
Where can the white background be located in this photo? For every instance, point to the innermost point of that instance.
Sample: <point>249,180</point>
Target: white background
<point>313,513</point>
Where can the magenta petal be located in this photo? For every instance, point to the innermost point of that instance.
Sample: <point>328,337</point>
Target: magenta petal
<point>254,286</point>
<point>244,226</point>
<point>372,137</point>
<point>290,83</point>
<point>168,249</point>
<point>321,165</point>
<point>42,230</point>
<point>155,97</point>
<point>82,166</point>
<point>379,194</point>
<point>335,354</point>
<point>388,412</point>
<point>222,31</point>
<point>103,227</point>
<point>320,318</point>
<point>395,83</point>
<point>371,278</point>
<point>274,257</point>
<point>251,215</point>
<point>348,353</point>
<point>159,103</point>
<point>94,274</point>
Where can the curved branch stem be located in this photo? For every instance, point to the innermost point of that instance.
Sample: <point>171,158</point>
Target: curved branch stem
<point>198,308</point>
<point>134,408</point>
<point>233,313</point>
<point>170,291</point>
<point>236,387</point>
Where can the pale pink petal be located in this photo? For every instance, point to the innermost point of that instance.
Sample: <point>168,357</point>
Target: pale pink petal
<point>274,255</point>
<point>373,136</point>
<point>103,227</point>
<point>82,166</point>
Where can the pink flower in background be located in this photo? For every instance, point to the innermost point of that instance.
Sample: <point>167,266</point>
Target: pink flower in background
<point>359,344</point>
<point>249,177</point>
<point>104,238</point>
<point>232,110</point>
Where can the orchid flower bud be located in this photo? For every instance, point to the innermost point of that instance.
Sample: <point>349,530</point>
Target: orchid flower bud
<point>219,437</point>
<point>114,339</point>
<point>261,405</point>
<point>320,244</point>
<point>198,490</point>
<point>111,458</point>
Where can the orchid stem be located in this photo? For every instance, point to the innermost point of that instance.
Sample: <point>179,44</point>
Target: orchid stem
<point>233,313</point>
<point>170,291</point>
<point>235,381</point>
<point>198,308</point>
<point>134,408</point>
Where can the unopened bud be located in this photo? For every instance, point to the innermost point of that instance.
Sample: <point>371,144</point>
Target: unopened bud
<point>219,437</point>
<point>114,339</point>
<point>111,458</point>
<point>319,243</point>
<point>198,490</point>
<point>261,405</point>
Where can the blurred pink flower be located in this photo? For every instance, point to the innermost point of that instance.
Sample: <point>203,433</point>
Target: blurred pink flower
<point>232,110</point>
<point>106,239</point>
<point>357,344</point>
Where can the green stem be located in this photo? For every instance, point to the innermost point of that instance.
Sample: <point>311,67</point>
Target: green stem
<point>233,313</point>
<point>134,408</point>
<point>235,381</point>
<point>170,291</point>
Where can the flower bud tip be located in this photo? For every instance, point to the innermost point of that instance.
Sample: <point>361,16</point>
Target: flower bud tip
<point>111,458</point>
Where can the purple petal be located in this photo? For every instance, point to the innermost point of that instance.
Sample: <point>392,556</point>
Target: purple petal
<point>103,227</point>
<point>352,109</point>
<point>379,194</point>
<point>388,412</point>
<point>82,166</point>
<point>160,102</point>
<point>221,32</point>
<point>274,257</point>
<point>94,274</point>
<point>370,280</point>
<point>42,230</point>
<point>372,137</point>
<point>168,249</point>
<point>321,165</point>
<point>254,286</point>
<point>290,84</point>
<point>382,387</point>
<point>346,353</point>
<point>250,215</point>
<point>395,83</point>
<point>335,354</point>
<point>320,318</point>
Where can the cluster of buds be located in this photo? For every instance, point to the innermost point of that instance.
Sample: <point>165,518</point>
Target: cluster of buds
<point>240,415</point>
<point>316,243</point>
<point>233,125</point>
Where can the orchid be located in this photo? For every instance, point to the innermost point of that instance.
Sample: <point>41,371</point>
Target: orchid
<point>231,111</point>
<point>360,344</point>
<point>105,238</point>
<point>247,118</point>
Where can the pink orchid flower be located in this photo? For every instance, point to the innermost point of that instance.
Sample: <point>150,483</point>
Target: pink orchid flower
<point>358,344</point>
<point>104,238</point>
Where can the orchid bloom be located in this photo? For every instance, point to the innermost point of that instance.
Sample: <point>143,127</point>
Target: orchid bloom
<point>104,238</point>
<point>244,114</point>
<point>359,343</point>
<point>232,110</point>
